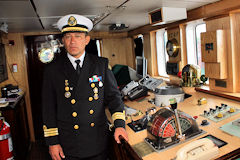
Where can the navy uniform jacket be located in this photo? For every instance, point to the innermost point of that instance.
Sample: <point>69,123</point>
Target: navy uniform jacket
<point>74,106</point>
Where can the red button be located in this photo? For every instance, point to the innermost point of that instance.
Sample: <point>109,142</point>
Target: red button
<point>195,117</point>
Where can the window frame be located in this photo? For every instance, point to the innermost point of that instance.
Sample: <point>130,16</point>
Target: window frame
<point>164,53</point>
<point>197,51</point>
<point>194,26</point>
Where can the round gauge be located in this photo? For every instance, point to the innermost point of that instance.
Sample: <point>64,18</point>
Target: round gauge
<point>172,47</point>
<point>170,128</point>
<point>166,127</point>
<point>46,55</point>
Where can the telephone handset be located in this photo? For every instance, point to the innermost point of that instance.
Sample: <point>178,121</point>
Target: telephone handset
<point>202,149</point>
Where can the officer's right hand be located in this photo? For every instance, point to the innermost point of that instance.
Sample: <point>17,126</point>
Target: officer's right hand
<point>56,152</point>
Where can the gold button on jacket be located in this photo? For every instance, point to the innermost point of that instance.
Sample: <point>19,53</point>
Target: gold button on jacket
<point>92,85</point>
<point>66,88</point>
<point>92,124</point>
<point>73,101</point>
<point>90,99</point>
<point>91,111</point>
<point>74,114</point>
<point>76,126</point>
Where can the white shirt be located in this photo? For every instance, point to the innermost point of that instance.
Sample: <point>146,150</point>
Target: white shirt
<point>72,60</point>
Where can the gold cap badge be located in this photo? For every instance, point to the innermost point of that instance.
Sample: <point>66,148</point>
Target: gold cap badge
<point>72,21</point>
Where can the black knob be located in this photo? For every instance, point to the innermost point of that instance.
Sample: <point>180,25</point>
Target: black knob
<point>205,113</point>
<point>225,106</point>
<point>204,122</point>
<point>174,106</point>
<point>211,110</point>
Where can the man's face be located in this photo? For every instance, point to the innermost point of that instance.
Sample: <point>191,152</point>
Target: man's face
<point>75,43</point>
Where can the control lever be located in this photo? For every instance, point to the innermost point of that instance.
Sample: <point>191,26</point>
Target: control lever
<point>173,103</point>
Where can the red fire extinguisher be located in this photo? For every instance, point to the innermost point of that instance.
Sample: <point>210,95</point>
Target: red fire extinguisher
<point>6,147</point>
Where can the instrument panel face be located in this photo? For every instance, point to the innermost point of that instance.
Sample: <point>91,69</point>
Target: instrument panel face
<point>164,135</point>
<point>172,47</point>
<point>168,127</point>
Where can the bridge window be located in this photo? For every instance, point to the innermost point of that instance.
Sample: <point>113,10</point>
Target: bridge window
<point>193,36</point>
<point>162,56</point>
<point>98,43</point>
<point>199,29</point>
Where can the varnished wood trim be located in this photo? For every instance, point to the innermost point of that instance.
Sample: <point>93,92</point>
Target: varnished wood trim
<point>218,94</point>
<point>215,17</point>
<point>230,155</point>
<point>154,54</point>
<point>38,33</point>
<point>106,35</point>
<point>235,33</point>
<point>127,146</point>
<point>183,40</point>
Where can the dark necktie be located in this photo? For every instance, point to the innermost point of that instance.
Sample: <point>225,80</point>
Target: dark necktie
<point>78,68</point>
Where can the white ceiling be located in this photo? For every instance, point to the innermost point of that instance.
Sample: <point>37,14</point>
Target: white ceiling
<point>21,16</point>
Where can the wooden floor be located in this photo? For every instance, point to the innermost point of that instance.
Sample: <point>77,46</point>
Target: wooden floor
<point>38,151</point>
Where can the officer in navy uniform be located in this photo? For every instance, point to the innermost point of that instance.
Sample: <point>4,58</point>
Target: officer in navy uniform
<point>76,89</point>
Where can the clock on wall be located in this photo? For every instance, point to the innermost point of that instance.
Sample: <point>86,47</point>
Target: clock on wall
<point>172,47</point>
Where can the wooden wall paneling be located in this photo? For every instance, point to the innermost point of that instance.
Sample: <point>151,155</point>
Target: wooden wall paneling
<point>118,51</point>
<point>16,54</point>
<point>110,52</point>
<point>13,54</point>
<point>217,56</point>
<point>235,35</point>
<point>129,50</point>
<point>215,70</point>
<point>38,33</point>
<point>147,52</point>
<point>153,44</point>
<point>105,35</point>
<point>222,49</point>
<point>209,38</point>
<point>150,53</point>
<point>183,43</point>
<point>133,53</point>
<point>213,25</point>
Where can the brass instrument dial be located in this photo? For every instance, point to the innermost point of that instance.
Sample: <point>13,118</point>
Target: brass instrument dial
<point>172,47</point>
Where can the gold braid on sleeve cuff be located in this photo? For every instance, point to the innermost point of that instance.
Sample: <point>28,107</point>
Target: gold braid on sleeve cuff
<point>50,132</point>
<point>118,115</point>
